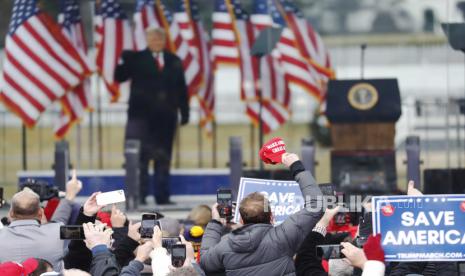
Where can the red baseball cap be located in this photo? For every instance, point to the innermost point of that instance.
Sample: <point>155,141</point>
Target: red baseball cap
<point>104,217</point>
<point>19,269</point>
<point>272,151</point>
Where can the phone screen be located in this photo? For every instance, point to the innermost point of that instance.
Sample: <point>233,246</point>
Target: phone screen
<point>1,197</point>
<point>224,200</point>
<point>147,224</point>
<point>178,255</point>
<point>331,251</point>
<point>327,189</point>
<point>72,232</point>
<point>168,242</point>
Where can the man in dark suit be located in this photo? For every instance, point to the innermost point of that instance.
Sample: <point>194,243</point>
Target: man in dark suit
<point>158,93</point>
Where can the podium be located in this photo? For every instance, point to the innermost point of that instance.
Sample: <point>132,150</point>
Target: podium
<point>363,114</point>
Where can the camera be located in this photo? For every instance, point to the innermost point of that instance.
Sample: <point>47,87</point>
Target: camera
<point>72,232</point>
<point>224,200</point>
<point>329,251</point>
<point>42,188</point>
<point>168,242</point>
<point>148,222</point>
<point>2,201</point>
<point>178,255</point>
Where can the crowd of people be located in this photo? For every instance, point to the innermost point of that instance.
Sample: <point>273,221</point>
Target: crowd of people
<point>30,241</point>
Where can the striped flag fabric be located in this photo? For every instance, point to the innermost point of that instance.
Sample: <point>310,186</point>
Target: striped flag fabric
<point>145,16</point>
<point>225,49</point>
<point>76,102</point>
<point>299,73</point>
<point>97,23</point>
<point>40,65</point>
<point>178,45</point>
<point>188,18</point>
<point>309,42</point>
<point>274,86</point>
<point>273,114</point>
<point>116,36</point>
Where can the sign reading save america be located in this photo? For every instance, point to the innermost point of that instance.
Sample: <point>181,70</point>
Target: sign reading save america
<point>285,197</point>
<point>421,228</point>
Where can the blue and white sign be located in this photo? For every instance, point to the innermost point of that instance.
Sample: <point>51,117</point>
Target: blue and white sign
<point>285,197</point>
<point>421,228</point>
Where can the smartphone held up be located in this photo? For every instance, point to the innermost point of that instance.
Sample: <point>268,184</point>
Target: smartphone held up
<point>224,200</point>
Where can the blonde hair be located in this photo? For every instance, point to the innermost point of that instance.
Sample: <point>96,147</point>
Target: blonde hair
<point>201,215</point>
<point>155,30</point>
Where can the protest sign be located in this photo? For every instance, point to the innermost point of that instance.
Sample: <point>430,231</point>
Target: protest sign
<point>285,197</point>
<point>421,228</point>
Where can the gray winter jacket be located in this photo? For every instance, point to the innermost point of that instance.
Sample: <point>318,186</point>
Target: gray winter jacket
<point>261,249</point>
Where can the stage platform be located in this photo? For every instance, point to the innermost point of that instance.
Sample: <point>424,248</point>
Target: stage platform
<point>184,203</point>
<point>189,188</point>
<point>183,182</point>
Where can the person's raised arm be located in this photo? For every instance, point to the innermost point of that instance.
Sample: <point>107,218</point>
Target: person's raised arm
<point>137,265</point>
<point>65,207</point>
<point>306,261</point>
<point>124,69</point>
<point>210,259</point>
<point>295,228</point>
<point>79,256</point>
<point>98,241</point>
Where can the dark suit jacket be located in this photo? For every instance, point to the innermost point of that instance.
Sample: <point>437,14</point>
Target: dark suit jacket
<point>153,92</point>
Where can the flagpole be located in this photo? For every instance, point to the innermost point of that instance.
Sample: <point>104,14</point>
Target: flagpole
<point>214,144</point>
<point>199,141</point>
<point>362,60</point>
<point>91,138</point>
<point>99,127</point>
<point>260,108</point>
<point>252,145</point>
<point>24,146</point>
<point>78,145</point>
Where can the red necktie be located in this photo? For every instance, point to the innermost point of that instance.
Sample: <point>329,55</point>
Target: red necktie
<point>157,64</point>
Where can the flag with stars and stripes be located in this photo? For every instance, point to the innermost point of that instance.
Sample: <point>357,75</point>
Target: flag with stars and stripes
<point>273,85</point>
<point>225,49</point>
<point>97,25</point>
<point>145,16</point>
<point>308,41</point>
<point>77,101</point>
<point>178,45</point>
<point>40,63</point>
<point>116,36</point>
<point>192,30</point>
<point>299,73</point>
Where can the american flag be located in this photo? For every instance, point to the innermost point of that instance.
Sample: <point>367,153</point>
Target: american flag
<point>225,49</point>
<point>116,37</point>
<point>299,73</point>
<point>77,101</point>
<point>97,25</point>
<point>40,63</point>
<point>309,42</point>
<point>178,45</point>
<point>275,90</point>
<point>188,18</point>
<point>145,16</point>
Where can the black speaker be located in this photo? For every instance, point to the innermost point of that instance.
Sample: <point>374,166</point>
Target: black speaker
<point>444,181</point>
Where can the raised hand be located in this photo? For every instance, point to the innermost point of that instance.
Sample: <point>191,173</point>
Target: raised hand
<point>73,186</point>
<point>289,158</point>
<point>117,217</point>
<point>90,207</point>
